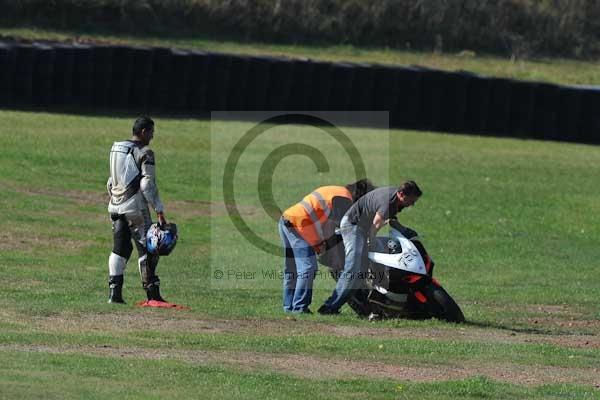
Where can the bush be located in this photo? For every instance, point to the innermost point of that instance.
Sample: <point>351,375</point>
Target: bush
<point>520,28</point>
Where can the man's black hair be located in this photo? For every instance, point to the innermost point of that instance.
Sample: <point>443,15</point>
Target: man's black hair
<point>410,188</point>
<point>359,188</point>
<point>142,123</point>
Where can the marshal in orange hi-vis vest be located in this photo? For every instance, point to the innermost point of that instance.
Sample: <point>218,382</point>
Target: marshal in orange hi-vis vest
<point>309,217</point>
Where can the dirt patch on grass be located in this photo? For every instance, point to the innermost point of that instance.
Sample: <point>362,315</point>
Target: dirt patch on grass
<point>31,240</point>
<point>179,208</point>
<point>80,197</point>
<point>312,367</point>
<point>291,327</point>
<point>198,208</point>
<point>563,322</point>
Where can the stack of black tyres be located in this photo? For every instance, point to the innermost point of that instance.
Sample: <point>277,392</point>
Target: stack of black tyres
<point>257,86</point>
<point>478,104</point>
<point>342,79</point>
<point>455,100</point>
<point>218,77</point>
<point>163,79</point>
<point>237,93</point>
<point>121,77</point>
<point>386,91</point>
<point>179,92</point>
<point>43,75</point>
<point>103,62</point>
<point>64,71</point>
<point>498,122</point>
<point>590,117</point>
<point>8,66</point>
<point>522,108</point>
<point>362,98</point>
<point>23,77</point>
<point>409,111</point>
<point>569,115</point>
<point>198,81</point>
<point>83,75</point>
<point>280,84</point>
<point>546,112</point>
<point>141,81</point>
<point>320,86</point>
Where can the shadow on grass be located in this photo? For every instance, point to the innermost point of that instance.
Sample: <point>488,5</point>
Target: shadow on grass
<point>515,329</point>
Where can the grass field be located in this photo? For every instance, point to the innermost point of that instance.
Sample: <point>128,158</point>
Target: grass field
<point>563,71</point>
<point>512,225</point>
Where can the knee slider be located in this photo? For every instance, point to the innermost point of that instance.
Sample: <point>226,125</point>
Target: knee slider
<point>116,264</point>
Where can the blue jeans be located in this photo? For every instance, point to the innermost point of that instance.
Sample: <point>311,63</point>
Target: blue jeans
<point>300,267</point>
<point>355,241</point>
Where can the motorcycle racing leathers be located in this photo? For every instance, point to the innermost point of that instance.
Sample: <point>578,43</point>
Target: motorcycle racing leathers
<point>132,188</point>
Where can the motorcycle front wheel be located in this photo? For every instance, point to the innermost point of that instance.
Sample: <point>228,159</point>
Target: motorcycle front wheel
<point>442,306</point>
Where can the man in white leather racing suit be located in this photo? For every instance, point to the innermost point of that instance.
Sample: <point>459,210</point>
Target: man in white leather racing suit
<point>132,188</point>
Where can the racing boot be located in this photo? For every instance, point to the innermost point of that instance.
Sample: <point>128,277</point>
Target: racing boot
<point>115,284</point>
<point>153,291</point>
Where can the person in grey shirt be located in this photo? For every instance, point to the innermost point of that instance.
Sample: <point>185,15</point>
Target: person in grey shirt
<point>362,220</point>
<point>132,188</point>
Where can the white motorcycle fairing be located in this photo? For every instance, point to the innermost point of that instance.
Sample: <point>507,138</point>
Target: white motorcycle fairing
<point>409,259</point>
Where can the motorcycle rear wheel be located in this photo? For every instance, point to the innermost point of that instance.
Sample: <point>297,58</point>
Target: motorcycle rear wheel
<point>442,306</point>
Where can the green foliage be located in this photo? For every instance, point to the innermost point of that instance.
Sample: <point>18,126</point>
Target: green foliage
<point>520,28</point>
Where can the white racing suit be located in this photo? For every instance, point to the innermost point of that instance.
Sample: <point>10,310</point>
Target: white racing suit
<point>132,188</point>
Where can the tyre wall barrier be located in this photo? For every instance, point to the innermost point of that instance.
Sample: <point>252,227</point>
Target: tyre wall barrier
<point>363,92</point>
<point>498,121</point>
<point>409,107</point>
<point>8,63</point>
<point>342,77</point>
<point>590,117</point>
<point>23,78</point>
<point>479,93</point>
<point>141,81</point>
<point>522,108</point>
<point>64,71</point>
<point>443,100</point>
<point>569,114</point>
<point>431,92</point>
<point>279,84</point>
<point>454,102</point>
<point>83,73</point>
<point>198,90</point>
<point>103,62</point>
<point>121,77</point>
<point>386,91</point>
<point>195,82</point>
<point>160,80</point>
<point>218,75</point>
<point>237,92</point>
<point>320,86</point>
<point>43,75</point>
<point>546,112</point>
<point>178,94</point>
<point>258,85</point>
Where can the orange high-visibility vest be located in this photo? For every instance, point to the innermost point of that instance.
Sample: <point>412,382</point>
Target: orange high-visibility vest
<point>309,215</point>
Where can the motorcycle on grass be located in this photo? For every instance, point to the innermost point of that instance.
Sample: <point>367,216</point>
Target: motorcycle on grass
<point>399,279</point>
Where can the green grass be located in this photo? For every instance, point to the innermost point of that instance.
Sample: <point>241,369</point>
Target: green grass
<point>563,71</point>
<point>511,224</point>
<point>74,376</point>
